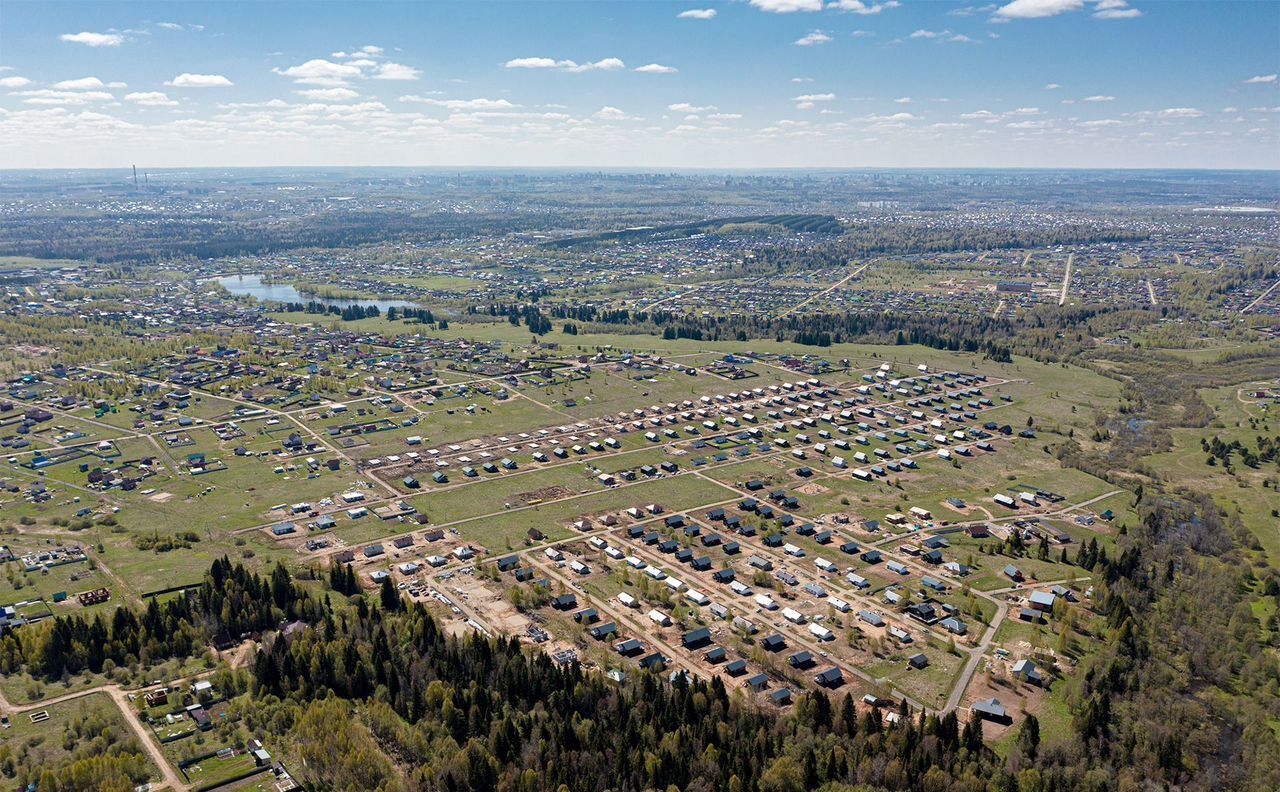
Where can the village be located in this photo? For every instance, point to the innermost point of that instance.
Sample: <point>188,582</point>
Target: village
<point>782,522</point>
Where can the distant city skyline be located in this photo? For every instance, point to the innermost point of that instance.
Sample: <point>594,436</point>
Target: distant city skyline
<point>732,85</point>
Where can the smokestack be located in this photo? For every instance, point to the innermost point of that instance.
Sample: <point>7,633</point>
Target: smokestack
<point>135,177</point>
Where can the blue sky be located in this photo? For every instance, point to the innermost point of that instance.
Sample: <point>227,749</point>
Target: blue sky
<point>646,83</point>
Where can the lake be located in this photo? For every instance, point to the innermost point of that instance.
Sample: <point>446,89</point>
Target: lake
<point>253,286</point>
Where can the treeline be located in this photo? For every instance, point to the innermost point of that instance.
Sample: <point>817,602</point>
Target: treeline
<point>407,707</point>
<point>904,238</point>
<point>800,223</point>
<point>991,337</point>
<point>231,602</point>
<point>1268,451</point>
<point>347,313</point>
<point>141,237</point>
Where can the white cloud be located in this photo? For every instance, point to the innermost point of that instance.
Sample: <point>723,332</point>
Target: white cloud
<point>614,114</point>
<point>1115,9</point>
<point>697,13</point>
<point>902,100</point>
<point>82,84</point>
<point>685,107</point>
<point>462,104</point>
<point>13,82</point>
<point>1098,99</point>
<point>861,7</point>
<point>396,71</point>
<point>1261,79</point>
<point>822,97</point>
<point>45,96</point>
<point>1265,109</point>
<point>534,63</point>
<point>149,99</point>
<point>1036,9</point>
<point>329,94</point>
<point>188,80</point>
<point>862,34</point>
<point>1028,125</point>
<point>1180,112</point>
<point>979,115</point>
<point>895,117</point>
<point>1052,87</point>
<point>656,68</point>
<point>725,116</point>
<point>813,39</point>
<point>605,64</point>
<point>363,63</point>
<point>941,35</point>
<point>169,26</point>
<point>787,6</point>
<point>1101,122</point>
<point>319,71</point>
<point>94,39</point>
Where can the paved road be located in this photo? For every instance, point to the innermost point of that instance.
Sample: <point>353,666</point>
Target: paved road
<point>828,290</point>
<point>1260,298</point>
<point>1066,280</point>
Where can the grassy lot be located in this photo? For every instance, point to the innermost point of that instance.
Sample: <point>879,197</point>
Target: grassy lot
<point>675,494</point>
<point>929,685</point>
<point>75,730</point>
<point>209,772</point>
<point>16,584</point>
<point>1239,492</point>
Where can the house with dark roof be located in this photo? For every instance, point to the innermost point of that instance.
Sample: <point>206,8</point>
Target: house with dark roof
<point>1026,671</point>
<point>801,660</point>
<point>773,643</point>
<point>629,647</point>
<point>696,638</point>
<point>564,602</point>
<point>603,631</point>
<point>990,709</point>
